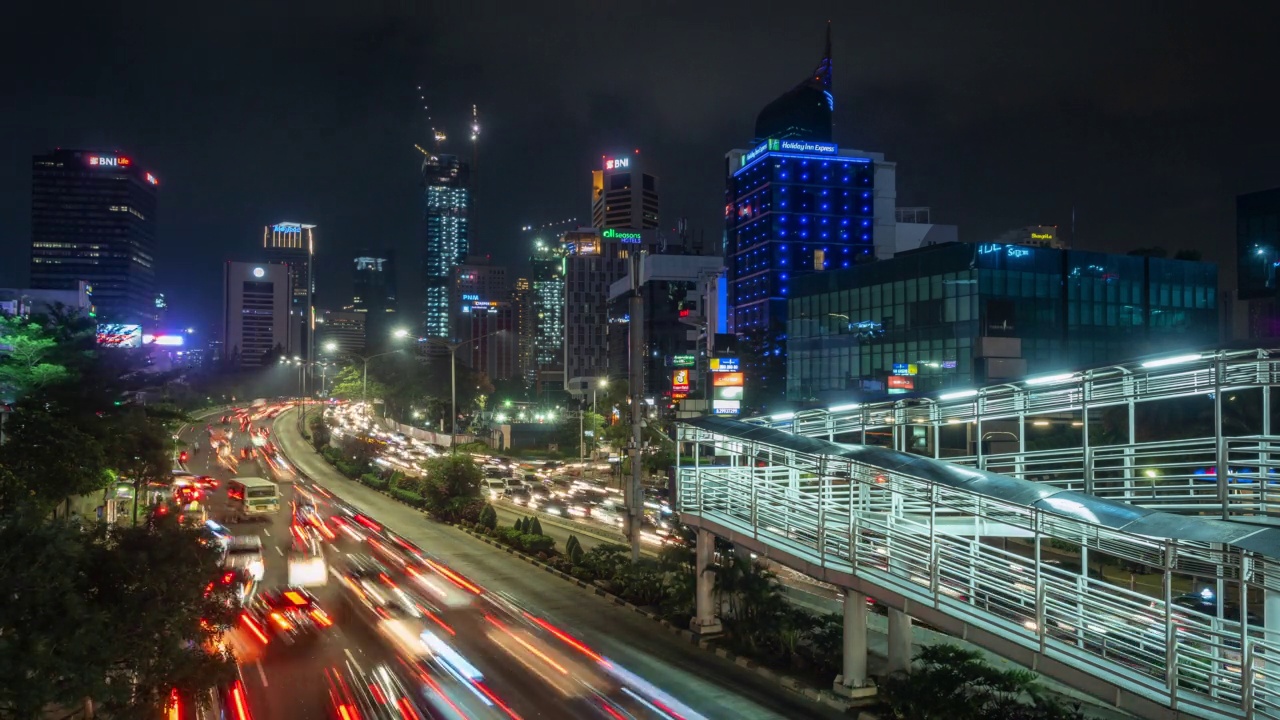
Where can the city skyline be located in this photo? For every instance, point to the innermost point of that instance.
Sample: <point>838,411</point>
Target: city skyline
<point>981,156</point>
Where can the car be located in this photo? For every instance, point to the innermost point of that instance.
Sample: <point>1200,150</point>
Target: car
<point>207,482</point>
<point>378,694</point>
<point>244,552</point>
<point>369,589</point>
<point>289,615</point>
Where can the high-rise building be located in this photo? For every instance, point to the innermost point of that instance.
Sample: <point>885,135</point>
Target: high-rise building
<point>294,245</point>
<point>93,219</point>
<point>1045,236</point>
<point>22,302</point>
<point>487,330</point>
<point>343,333</point>
<point>446,207</point>
<point>256,300</point>
<point>795,205</point>
<point>374,297</point>
<point>623,195</point>
<point>547,288</point>
<point>594,260</point>
<point>526,321</point>
<point>476,279</point>
<point>1258,262</point>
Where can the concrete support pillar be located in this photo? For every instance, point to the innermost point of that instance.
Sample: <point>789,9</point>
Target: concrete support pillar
<point>899,641</point>
<point>1271,613</point>
<point>853,682</point>
<point>706,620</point>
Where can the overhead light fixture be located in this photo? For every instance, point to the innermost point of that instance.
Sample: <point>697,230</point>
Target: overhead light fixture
<point>782,416</point>
<point>1048,379</point>
<point>1175,360</point>
<point>958,394</point>
<point>843,408</point>
<point>1040,423</point>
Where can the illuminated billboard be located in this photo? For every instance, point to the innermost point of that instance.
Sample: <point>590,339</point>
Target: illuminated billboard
<point>680,381</point>
<point>901,382</point>
<point>625,236</point>
<point>728,393</point>
<point>725,364</point>
<point>726,407</point>
<point>164,340</point>
<point>622,163</point>
<point>121,336</point>
<point>727,379</point>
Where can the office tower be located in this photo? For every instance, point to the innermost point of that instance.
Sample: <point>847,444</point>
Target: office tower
<point>293,245</point>
<point>593,261</point>
<point>548,293</point>
<point>623,195</point>
<point>343,332</point>
<point>446,209</point>
<point>22,302</point>
<point>476,279</point>
<point>374,297</point>
<point>256,303</point>
<point>1045,236</point>
<point>93,219</point>
<point>948,316</point>
<point>487,329</point>
<point>795,204</point>
<point>526,321</point>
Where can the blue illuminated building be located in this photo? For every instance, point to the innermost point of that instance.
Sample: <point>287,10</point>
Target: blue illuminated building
<point>960,315</point>
<point>795,204</point>
<point>447,209</point>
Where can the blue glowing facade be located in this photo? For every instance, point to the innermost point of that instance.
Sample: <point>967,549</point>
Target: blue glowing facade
<point>447,210</point>
<point>789,215</point>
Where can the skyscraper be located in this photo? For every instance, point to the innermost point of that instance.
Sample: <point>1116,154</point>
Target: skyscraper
<point>294,245</point>
<point>256,300</point>
<point>93,219</point>
<point>548,308</point>
<point>526,317</point>
<point>447,206</point>
<point>374,296</point>
<point>623,195</point>
<point>476,279</point>
<point>795,204</point>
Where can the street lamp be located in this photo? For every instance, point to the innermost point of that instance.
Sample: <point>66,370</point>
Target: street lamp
<point>453,377</point>
<point>364,382</point>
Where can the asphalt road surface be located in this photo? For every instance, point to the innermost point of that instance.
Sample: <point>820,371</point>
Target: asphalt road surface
<point>524,645</point>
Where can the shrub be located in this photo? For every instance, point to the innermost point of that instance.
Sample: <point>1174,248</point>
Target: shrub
<point>535,527</point>
<point>571,543</point>
<point>537,543</point>
<point>407,497</point>
<point>488,517</point>
<point>374,481</point>
<point>575,555</point>
<point>525,525</point>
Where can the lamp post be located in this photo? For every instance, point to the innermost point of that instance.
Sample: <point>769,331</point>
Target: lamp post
<point>453,378</point>
<point>364,382</point>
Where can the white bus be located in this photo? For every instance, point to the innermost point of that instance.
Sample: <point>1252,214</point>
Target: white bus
<point>249,497</point>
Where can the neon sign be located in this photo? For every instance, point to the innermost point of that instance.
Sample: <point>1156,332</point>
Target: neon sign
<point>1041,236</point>
<point>621,163</point>
<point>104,161</point>
<point>470,297</point>
<point>759,150</point>
<point>1013,251</point>
<point>805,146</point>
<point>152,179</point>
<point>287,228</point>
<point>620,235</point>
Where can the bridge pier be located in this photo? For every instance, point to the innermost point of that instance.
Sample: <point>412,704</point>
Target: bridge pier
<point>853,682</point>
<point>899,641</point>
<point>706,620</point>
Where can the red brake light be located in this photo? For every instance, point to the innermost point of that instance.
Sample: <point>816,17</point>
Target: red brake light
<point>295,598</point>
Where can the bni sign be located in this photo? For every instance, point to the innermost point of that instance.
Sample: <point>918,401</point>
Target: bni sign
<point>622,163</point>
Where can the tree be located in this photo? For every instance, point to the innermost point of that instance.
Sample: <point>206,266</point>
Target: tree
<point>451,486</point>
<point>119,615</point>
<point>320,433</point>
<point>25,353</point>
<point>47,459</point>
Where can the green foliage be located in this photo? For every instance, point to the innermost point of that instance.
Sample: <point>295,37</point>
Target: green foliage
<point>957,684</point>
<point>488,517</point>
<point>26,351</point>
<point>450,487</point>
<point>575,555</point>
<point>109,613</point>
<point>375,481</point>
<point>572,543</point>
<point>320,433</point>
<point>535,527</point>
<point>407,497</point>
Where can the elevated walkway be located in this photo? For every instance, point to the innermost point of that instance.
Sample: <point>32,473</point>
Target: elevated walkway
<point>908,531</point>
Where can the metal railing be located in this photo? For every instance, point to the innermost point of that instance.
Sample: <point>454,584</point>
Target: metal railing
<point>888,529</point>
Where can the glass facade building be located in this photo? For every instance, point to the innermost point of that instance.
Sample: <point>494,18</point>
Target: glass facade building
<point>925,315</point>
<point>93,220</point>
<point>547,293</point>
<point>447,209</point>
<point>1258,244</point>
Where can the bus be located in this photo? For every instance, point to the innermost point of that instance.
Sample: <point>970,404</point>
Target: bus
<point>249,497</point>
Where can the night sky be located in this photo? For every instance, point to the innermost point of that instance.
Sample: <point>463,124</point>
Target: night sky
<point>1147,118</point>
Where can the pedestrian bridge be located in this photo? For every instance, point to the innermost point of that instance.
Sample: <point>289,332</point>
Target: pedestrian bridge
<point>1006,562</point>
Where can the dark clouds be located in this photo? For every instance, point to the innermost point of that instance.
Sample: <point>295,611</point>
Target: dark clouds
<point>1146,118</point>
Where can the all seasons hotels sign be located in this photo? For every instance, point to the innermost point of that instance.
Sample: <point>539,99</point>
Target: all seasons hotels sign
<point>806,147</point>
<point>625,236</point>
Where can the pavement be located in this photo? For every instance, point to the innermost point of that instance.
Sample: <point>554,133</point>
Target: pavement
<point>711,686</point>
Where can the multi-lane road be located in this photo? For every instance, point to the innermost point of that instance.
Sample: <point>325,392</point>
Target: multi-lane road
<point>517,642</point>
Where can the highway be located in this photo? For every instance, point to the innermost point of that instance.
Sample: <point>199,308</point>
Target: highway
<point>583,648</point>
